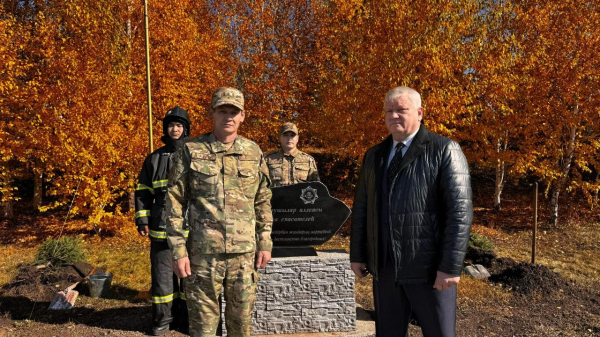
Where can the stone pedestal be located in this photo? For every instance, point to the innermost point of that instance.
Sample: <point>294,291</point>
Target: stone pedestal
<point>305,295</point>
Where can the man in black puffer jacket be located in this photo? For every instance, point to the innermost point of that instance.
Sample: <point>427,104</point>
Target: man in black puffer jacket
<point>168,301</point>
<point>411,221</point>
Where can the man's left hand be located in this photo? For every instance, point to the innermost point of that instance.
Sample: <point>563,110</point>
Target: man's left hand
<point>444,281</point>
<point>262,258</point>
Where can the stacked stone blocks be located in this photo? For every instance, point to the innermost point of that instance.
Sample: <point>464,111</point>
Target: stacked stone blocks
<point>305,295</point>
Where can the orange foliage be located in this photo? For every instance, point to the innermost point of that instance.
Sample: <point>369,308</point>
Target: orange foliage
<point>499,77</point>
<point>275,48</point>
<point>78,108</point>
<point>375,46</point>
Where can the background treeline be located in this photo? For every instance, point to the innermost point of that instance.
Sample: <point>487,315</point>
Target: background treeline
<point>516,82</point>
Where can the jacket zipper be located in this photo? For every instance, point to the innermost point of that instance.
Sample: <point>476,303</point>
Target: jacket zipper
<point>397,263</point>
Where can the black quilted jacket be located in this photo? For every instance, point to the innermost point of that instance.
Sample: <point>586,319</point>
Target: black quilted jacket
<point>430,209</point>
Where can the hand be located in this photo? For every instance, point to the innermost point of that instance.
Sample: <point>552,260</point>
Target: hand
<point>359,269</point>
<point>444,281</point>
<point>182,268</point>
<point>143,232</point>
<point>262,258</point>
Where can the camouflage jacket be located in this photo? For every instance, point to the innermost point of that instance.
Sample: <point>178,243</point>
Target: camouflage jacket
<point>227,196</point>
<point>294,168</point>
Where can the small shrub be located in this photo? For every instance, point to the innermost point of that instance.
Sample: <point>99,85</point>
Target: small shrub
<point>480,241</point>
<point>58,253</point>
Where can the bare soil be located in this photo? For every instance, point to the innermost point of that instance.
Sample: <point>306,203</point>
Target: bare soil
<point>560,297</point>
<point>24,306</point>
<point>543,303</point>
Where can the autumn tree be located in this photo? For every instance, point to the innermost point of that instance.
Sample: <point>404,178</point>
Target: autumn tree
<point>374,46</point>
<point>274,47</point>
<point>20,121</point>
<point>11,39</point>
<point>496,136</point>
<point>560,88</point>
<point>79,118</point>
<point>515,82</point>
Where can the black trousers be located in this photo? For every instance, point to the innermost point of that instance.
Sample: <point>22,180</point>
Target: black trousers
<point>435,310</point>
<point>168,299</point>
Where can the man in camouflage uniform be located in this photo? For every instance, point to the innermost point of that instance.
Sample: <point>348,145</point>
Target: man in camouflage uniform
<point>288,165</point>
<point>224,180</point>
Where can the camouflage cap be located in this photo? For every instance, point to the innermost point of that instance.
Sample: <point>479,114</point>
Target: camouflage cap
<point>228,96</point>
<point>289,126</point>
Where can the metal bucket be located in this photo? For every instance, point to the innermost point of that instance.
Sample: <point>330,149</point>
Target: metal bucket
<point>99,284</point>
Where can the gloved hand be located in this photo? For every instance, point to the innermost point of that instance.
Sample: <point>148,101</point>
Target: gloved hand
<point>143,230</point>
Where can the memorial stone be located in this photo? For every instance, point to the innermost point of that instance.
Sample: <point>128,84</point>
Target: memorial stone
<point>301,290</point>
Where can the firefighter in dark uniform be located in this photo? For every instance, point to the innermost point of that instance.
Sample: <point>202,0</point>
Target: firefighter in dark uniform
<point>168,300</point>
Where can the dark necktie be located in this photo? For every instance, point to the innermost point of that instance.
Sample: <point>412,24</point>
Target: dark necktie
<point>394,165</point>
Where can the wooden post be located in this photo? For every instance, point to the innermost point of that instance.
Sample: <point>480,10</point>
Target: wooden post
<point>535,209</point>
<point>148,77</point>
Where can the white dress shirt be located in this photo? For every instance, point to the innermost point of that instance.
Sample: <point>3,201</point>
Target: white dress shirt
<point>407,141</point>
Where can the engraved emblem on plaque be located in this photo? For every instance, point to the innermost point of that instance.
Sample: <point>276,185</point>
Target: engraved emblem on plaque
<point>309,195</point>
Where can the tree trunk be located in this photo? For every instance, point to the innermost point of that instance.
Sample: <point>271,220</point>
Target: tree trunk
<point>565,166</point>
<point>131,200</point>
<point>37,191</point>
<point>595,199</point>
<point>8,210</point>
<point>499,185</point>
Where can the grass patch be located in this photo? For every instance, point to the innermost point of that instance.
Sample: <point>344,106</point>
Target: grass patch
<point>11,258</point>
<point>571,250</point>
<point>474,292</point>
<point>128,261</point>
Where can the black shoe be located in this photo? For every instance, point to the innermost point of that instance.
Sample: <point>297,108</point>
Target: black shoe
<point>160,330</point>
<point>182,327</point>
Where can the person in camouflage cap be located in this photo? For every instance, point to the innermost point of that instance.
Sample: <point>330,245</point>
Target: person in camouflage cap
<point>224,179</point>
<point>288,165</point>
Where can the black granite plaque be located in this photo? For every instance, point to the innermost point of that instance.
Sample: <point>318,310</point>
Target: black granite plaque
<point>287,251</point>
<point>305,214</point>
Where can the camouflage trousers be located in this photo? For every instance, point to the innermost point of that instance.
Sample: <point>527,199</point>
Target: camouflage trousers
<point>210,272</point>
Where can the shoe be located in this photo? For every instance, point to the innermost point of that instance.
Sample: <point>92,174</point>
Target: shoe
<point>160,330</point>
<point>182,327</point>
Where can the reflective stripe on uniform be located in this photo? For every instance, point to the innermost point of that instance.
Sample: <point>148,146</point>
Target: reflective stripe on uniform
<point>162,299</point>
<point>158,234</point>
<point>144,187</point>
<point>182,296</point>
<point>163,234</point>
<point>187,233</point>
<point>160,183</point>
<point>142,213</point>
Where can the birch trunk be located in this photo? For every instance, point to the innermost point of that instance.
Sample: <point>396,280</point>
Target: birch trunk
<point>565,166</point>
<point>500,172</point>
<point>499,184</point>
